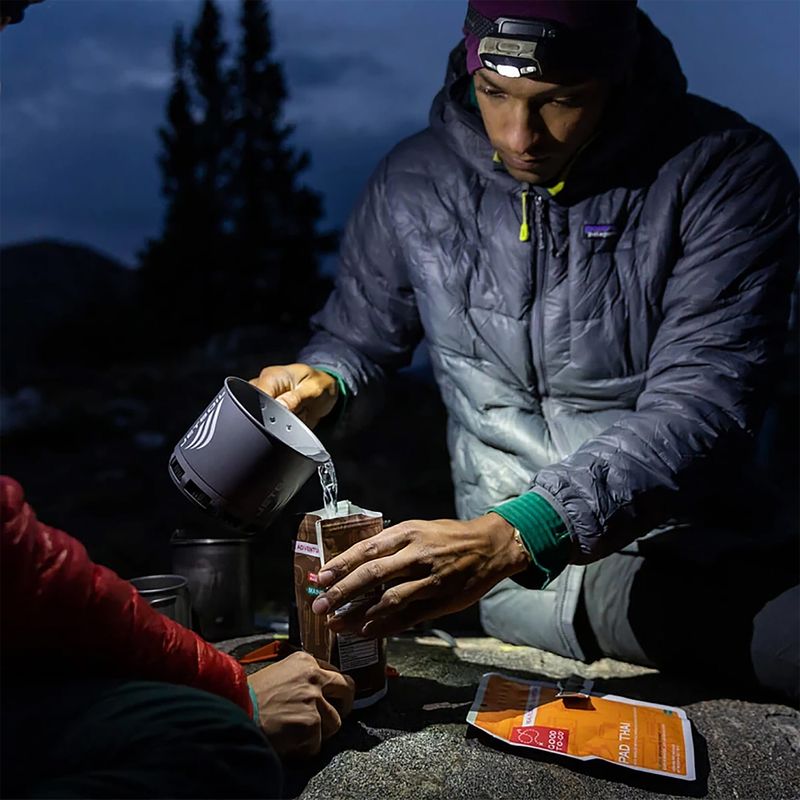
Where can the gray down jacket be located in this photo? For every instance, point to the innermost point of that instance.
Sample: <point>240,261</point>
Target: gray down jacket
<point>619,362</point>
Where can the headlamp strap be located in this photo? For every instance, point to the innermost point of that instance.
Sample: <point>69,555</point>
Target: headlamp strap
<point>476,24</point>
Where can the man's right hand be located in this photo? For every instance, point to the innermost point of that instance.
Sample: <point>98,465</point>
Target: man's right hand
<point>308,392</point>
<point>301,702</point>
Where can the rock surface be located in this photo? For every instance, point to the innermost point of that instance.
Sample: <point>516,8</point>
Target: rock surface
<point>416,744</point>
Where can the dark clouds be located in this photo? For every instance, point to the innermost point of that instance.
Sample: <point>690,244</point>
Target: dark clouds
<point>308,70</point>
<point>84,86</point>
<point>85,83</point>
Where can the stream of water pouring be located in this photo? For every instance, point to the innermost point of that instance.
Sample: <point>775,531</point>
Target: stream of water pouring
<point>330,487</point>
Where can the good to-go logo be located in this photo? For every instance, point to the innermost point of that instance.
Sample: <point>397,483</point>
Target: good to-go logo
<point>202,432</point>
<point>555,739</point>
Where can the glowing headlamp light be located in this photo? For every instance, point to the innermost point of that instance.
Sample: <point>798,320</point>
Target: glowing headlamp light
<point>510,47</point>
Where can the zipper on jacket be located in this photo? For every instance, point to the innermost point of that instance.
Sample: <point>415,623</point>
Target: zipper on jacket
<point>539,207</point>
<point>539,259</point>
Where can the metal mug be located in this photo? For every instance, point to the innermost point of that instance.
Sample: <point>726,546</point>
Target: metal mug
<point>218,574</point>
<point>169,594</point>
<point>245,457</point>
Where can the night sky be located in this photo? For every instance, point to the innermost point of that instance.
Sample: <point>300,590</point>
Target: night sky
<point>84,84</point>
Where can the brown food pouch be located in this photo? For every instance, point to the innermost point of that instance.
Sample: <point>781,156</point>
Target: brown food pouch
<point>319,539</point>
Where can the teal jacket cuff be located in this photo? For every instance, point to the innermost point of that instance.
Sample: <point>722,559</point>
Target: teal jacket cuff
<point>543,532</point>
<point>254,701</point>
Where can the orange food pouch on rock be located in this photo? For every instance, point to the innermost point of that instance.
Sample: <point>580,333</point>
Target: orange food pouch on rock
<point>643,736</point>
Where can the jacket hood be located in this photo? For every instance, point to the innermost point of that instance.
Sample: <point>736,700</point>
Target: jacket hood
<point>654,87</point>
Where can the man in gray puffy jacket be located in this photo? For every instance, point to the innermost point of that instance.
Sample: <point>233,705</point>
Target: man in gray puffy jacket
<point>601,265</point>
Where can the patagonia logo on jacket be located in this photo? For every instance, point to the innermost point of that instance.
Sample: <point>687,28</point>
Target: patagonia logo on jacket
<point>599,231</point>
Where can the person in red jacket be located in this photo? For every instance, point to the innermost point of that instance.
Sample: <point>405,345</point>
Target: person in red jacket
<point>105,697</point>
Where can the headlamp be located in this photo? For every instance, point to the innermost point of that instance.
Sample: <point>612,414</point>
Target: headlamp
<point>512,47</point>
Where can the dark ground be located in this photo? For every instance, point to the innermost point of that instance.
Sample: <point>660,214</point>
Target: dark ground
<point>416,744</point>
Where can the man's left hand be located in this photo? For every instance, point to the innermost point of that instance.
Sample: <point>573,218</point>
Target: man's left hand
<point>431,568</point>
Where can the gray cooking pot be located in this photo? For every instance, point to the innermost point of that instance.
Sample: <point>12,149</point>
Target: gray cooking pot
<point>168,594</point>
<point>245,457</point>
<point>218,572</point>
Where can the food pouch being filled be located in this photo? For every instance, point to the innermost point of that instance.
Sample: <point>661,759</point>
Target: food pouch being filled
<point>643,736</point>
<point>322,535</point>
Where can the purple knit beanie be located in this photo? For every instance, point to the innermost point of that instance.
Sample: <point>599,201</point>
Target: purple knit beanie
<point>609,26</point>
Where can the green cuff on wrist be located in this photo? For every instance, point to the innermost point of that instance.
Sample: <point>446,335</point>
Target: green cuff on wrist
<point>254,701</point>
<point>542,530</point>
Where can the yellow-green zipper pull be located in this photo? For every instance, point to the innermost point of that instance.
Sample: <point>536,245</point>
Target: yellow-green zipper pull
<point>524,233</point>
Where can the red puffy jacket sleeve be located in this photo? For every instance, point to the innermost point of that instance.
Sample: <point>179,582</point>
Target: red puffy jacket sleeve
<point>54,598</point>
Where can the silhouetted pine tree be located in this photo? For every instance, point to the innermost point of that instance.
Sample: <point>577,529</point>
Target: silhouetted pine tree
<point>179,149</point>
<point>183,272</point>
<point>168,263</point>
<point>240,241</point>
<point>274,218</point>
<point>213,128</point>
